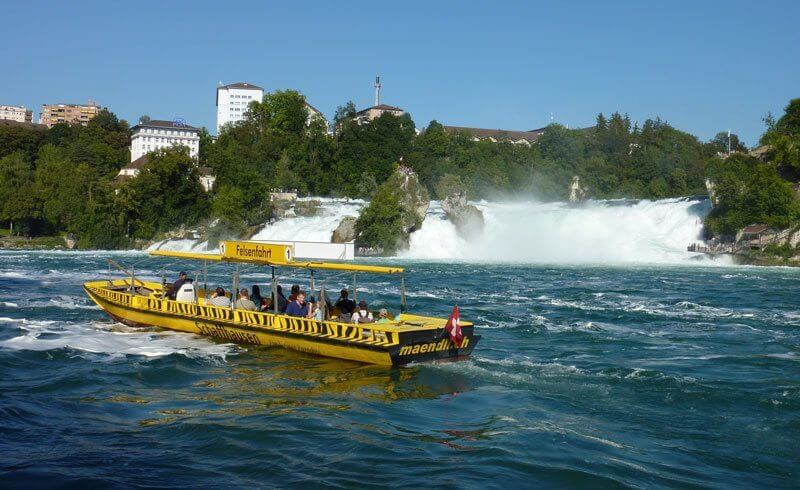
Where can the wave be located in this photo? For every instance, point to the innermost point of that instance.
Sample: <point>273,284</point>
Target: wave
<point>111,340</point>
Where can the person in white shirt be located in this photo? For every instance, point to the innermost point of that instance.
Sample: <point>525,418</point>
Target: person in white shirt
<point>362,314</point>
<point>186,292</point>
<point>219,299</point>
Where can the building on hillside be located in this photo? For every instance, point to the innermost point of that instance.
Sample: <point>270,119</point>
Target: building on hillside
<point>131,170</point>
<point>365,116</point>
<point>314,113</point>
<point>498,135</point>
<point>153,135</point>
<point>16,113</point>
<point>233,100</point>
<point>53,114</point>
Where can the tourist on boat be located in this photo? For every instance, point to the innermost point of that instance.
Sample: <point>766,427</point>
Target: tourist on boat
<point>383,316</point>
<point>282,301</point>
<point>218,298</point>
<point>244,302</point>
<point>363,315</point>
<point>346,306</point>
<point>293,293</point>
<point>315,312</point>
<point>186,293</point>
<point>256,295</point>
<point>298,307</point>
<point>176,286</point>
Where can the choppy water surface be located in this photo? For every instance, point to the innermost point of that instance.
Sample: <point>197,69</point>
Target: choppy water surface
<point>588,376</point>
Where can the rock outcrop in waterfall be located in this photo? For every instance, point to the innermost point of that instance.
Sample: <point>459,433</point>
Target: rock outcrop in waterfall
<point>467,218</point>
<point>577,192</point>
<point>397,209</point>
<point>346,231</point>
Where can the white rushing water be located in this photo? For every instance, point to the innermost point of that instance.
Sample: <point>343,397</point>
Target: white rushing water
<point>592,232</point>
<point>528,231</point>
<point>312,229</point>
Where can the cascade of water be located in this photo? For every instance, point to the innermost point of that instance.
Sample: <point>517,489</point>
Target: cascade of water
<point>593,232</point>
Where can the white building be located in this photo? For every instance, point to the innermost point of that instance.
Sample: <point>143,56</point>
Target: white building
<point>154,135</point>
<point>131,170</point>
<point>232,101</point>
<point>15,113</point>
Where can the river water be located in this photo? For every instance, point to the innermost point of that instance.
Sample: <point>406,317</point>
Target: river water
<point>592,376</point>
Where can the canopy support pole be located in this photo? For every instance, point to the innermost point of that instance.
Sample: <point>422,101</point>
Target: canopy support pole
<point>312,283</point>
<point>274,292</point>
<point>235,289</point>
<point>355,288</point>
<point>205,279</point>
<point>403,293</point>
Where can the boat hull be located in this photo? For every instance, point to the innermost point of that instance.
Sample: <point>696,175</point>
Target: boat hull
<point>371,343</point>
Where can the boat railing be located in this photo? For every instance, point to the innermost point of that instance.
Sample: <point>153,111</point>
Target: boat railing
<point>369,333</point>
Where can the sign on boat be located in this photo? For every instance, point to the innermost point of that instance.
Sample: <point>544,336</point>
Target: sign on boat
<point>405,338</point>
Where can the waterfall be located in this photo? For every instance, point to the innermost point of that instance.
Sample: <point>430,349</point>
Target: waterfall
<point>613,231</point>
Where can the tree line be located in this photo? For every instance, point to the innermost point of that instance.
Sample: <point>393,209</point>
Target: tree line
<point>63,179</point>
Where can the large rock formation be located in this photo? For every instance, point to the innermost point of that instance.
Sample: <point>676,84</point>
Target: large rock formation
<point>414,199</point>
<point>577,192</point>
<point>346,231</point>
<point>467,218</point>
<point>397,208</point>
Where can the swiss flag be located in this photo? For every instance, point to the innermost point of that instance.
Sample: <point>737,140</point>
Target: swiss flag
<point>453,327</point>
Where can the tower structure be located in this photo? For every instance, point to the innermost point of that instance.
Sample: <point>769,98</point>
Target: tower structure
<point>377,90</point>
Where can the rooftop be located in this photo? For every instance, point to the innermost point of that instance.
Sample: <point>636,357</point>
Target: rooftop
<point>156,123</point>
<point>243,85</point>
<point>498,134</point>
<point>380,107</point>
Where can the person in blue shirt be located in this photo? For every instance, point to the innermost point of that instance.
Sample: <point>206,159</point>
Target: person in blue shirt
<point>298,307</point>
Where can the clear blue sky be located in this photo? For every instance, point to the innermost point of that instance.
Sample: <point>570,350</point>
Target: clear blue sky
<point>704,66</point>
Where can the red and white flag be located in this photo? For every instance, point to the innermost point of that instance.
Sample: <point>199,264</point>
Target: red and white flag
<point>453,327</point>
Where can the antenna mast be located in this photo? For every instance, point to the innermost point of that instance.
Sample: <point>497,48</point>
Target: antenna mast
<point>377,90</point>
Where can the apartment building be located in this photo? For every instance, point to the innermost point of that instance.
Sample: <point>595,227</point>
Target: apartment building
<point>53,114</point>
<point>16,113</point>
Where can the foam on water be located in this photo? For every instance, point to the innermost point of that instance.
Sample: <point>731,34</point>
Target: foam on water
<point>110,340</point>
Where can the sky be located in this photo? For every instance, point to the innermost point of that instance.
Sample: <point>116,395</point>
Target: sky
<point>703,66</point>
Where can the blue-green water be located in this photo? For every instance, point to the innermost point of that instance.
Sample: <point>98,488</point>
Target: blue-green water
<point>586,376</point>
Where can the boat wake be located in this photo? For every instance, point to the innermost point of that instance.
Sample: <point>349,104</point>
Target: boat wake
<point>109,341</point>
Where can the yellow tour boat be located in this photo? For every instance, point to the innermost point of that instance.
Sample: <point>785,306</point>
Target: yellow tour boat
<point>405,339</point>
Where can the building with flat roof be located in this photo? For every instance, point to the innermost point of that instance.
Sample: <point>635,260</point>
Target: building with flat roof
<point>233,100</point>
<point>53,114</point>
<point>155,134</point>
<point>16,113</point>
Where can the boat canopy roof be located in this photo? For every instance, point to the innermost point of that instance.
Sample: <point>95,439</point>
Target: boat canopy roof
<point>269,261</point>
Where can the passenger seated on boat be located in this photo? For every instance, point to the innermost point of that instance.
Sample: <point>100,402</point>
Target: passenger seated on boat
<point>293,293</point>
<point>244,302</point>
<point>363,315</point>
<point>282,301</point>
<point>256,296</point>
<point>176,286</point>
<point>219,299</point>
<point>346,306</point>
<point>298,307</point>
<point>383,316</point>
<point>316,312</point>
<point>186,292</point>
